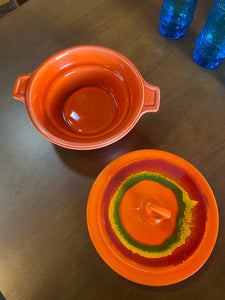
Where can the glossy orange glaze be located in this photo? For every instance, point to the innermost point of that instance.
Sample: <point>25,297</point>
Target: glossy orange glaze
<point>90,110</point>
<point>147,226</point>
<point>100,85</point>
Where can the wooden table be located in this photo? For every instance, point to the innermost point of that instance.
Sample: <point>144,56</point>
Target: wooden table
<point>45,249</point>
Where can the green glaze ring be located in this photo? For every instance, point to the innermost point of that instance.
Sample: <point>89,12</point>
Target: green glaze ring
<point>183,220</point>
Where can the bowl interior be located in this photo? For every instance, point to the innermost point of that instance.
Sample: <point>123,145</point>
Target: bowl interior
<point>85,95</point>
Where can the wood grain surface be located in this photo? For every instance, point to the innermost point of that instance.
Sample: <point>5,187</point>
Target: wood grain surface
<point>45,249</point>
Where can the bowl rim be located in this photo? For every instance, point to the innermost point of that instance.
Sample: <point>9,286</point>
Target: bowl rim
<point>80,145</point>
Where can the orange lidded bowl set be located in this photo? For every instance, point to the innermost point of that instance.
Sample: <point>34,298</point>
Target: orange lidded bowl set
<point>151,215</point>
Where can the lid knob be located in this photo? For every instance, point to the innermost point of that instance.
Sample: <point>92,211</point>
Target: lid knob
<point>152,213</point>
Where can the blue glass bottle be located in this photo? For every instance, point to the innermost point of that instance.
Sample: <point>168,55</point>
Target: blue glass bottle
<point>175,16</point>
<point>210,45</point>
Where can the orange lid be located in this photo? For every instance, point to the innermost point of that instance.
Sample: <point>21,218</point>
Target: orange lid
<point>152,217</point>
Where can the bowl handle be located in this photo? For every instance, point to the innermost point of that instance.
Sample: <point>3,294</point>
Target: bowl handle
<point>20,87</point>
<point>151,98</point>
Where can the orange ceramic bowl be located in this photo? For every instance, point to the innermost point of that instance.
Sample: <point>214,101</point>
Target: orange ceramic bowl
<point>86,97</point>
<point>152,217</point>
